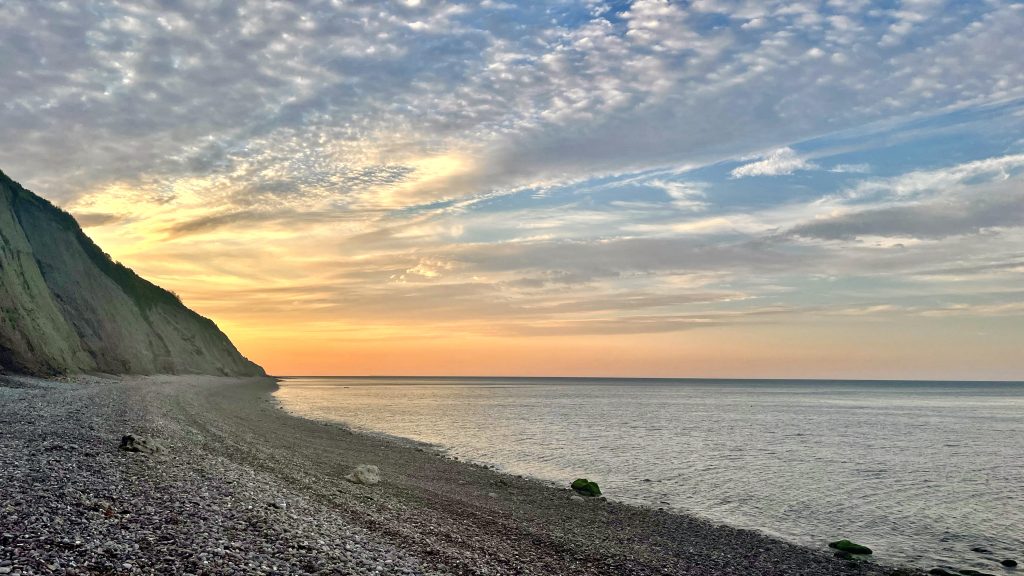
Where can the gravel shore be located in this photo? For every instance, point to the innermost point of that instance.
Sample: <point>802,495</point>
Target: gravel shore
<point>241,487</point>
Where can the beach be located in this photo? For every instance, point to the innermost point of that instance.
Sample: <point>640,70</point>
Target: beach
<point>238,486</point>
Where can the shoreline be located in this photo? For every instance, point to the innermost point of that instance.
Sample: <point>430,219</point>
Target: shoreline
<point>272,497</point>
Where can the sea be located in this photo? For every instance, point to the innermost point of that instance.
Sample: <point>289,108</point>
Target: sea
<point>921,472</point>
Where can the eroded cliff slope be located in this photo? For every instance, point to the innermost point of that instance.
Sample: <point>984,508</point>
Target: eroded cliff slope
<point>66,307</point>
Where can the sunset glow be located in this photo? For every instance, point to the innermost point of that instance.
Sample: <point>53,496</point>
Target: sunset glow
<point>646,188</point>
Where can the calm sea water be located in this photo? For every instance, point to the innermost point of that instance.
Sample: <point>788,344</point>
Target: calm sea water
<point>921,472</point>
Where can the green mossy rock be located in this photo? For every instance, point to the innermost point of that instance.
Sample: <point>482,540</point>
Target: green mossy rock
<point>585,487</point>
<point>851,547</point>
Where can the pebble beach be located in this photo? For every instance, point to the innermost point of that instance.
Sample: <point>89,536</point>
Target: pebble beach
<point>237,486</point>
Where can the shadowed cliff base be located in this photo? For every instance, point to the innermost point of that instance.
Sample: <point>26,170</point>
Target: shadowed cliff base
<point>67,307</point>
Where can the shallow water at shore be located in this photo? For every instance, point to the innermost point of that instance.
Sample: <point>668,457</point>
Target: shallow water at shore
<point>921,472</point>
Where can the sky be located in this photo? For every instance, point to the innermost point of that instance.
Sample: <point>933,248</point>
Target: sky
<point>705,188</point>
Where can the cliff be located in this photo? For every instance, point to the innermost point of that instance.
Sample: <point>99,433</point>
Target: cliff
<point>66,307</point>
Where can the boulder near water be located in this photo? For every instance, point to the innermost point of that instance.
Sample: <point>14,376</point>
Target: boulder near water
<point>851,547</point>
<point>585,487</point>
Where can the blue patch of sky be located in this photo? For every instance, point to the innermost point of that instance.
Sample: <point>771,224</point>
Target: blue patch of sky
<point>569,14</point>
<point>706,22</point>
<point>615,10</point>
<point>883,151</point>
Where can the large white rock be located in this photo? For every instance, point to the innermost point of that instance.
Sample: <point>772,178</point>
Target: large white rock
<point>367,474</point>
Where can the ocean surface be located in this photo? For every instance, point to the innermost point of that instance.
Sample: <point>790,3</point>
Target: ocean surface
<point>919,471</point>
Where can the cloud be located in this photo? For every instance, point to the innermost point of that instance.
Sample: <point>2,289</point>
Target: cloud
<point>936,219</point>
<point>536,95</point>
<point>529,168</point>
<point>851,168</point>
<point>941,180</point>
<point>93,219</point>
<point>213,222</point>
<point>783,161</point>
<point>685,195</point>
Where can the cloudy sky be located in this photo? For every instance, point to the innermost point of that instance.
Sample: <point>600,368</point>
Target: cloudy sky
<point>829,188</point>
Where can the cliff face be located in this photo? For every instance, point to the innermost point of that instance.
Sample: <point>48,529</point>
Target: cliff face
<point>66,307</point>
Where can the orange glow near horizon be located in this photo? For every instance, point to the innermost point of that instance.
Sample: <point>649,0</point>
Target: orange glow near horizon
<point>808,351</point>
<point>645,188</point>
<point>275,293</point>
<point>342,296</point>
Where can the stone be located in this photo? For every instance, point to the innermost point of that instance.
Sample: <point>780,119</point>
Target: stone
<point>851,547</point>
<point>972,572</point>
<point>366,474</point>
<point>585,487</point>
<point>941,572</point>
<point>843,555</point>
<point>1009,563</point>
<point>981,550</point>
<point>132,443</point>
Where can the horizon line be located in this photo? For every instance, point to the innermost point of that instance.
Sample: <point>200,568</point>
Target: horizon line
<point>666,378</point>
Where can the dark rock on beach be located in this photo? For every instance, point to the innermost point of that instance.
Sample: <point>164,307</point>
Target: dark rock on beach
<point>1009,563</point>
<point>851,547</point>
<point>129,443</point>
<point>585,487</point>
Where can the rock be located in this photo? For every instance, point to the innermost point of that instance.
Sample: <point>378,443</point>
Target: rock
<point>981,550</point>
<point>57,446</point>
<point>5,569</point>
<point>366,474</point>
<point>132,443</point>
<point>585,487</point>
<point>851,547</point>
<point>843,554</point>
<point>1009,563</point>
<point>941,572</point>
<point>970,572</point>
